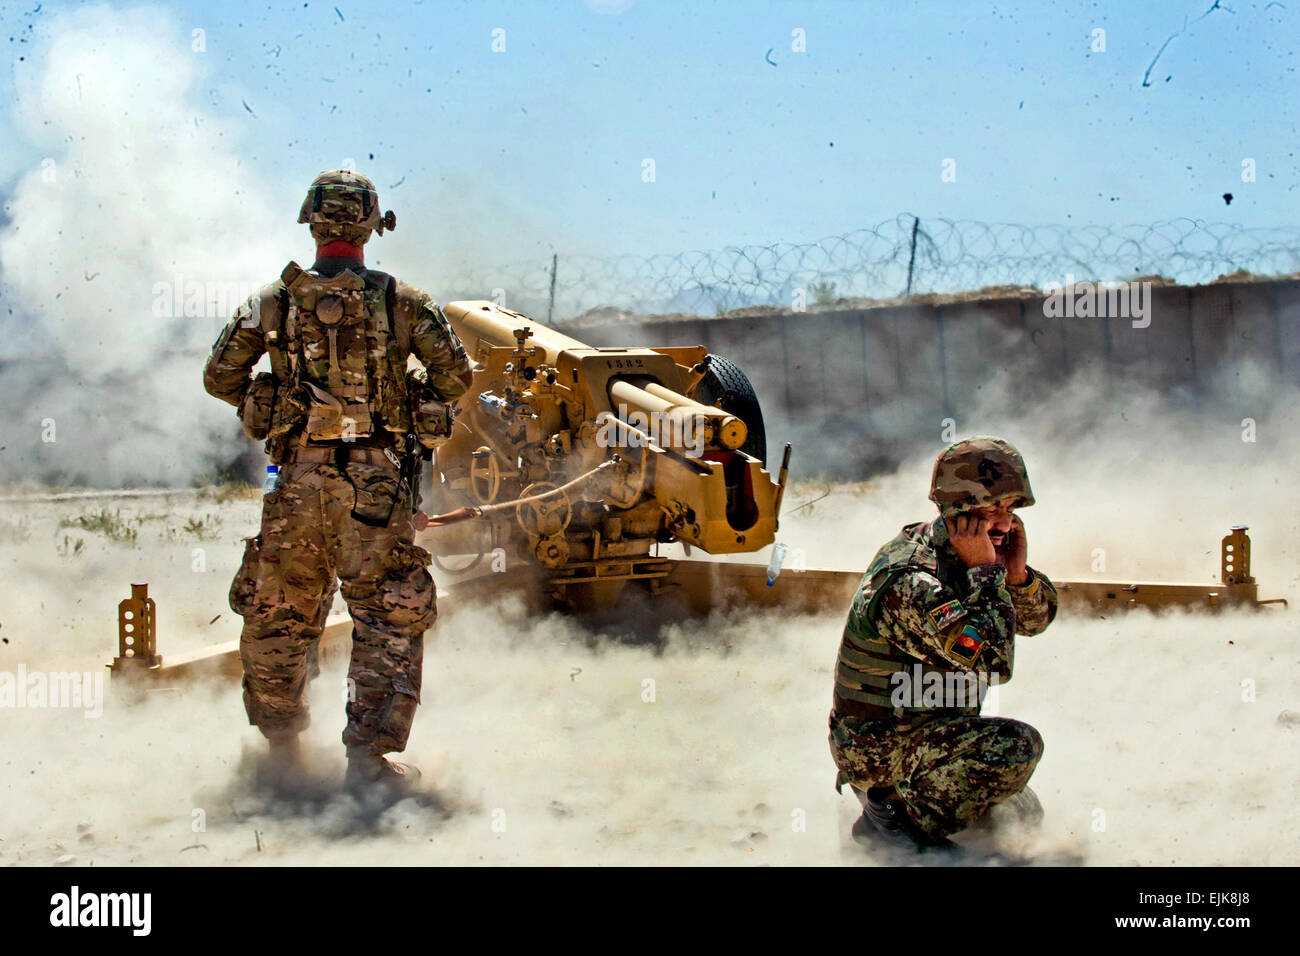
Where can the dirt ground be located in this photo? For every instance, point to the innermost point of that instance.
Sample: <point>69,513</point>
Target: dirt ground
<point>539,746</point>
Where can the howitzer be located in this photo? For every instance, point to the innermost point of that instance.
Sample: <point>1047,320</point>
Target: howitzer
<point>582,460</point>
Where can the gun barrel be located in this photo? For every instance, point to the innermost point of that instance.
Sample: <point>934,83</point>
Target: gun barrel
<point>487,323</point>
<point>680,413</point>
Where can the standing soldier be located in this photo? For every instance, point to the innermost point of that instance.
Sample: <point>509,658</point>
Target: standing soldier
<point>344,420</point>
<point>933,622</point>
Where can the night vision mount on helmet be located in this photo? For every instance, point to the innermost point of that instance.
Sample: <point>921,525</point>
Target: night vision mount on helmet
<point>343,201</point>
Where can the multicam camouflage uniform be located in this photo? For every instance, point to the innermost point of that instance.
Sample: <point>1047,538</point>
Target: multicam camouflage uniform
<point>337,408</point>
<point>950,629</point>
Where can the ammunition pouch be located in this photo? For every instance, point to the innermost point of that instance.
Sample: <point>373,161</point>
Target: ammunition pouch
<point>290,411</point>
<point>258,406</point>
<point>243,590</point>
<point>431,417</point>
<point>325,419</point>
<point>291,408</point>
<point>329,419</point>
<point>377,495</point>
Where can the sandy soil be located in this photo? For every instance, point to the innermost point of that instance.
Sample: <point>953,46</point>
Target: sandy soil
<point>538,744</point>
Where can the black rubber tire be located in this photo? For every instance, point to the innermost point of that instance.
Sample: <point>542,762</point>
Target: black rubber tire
<point>724,385</point>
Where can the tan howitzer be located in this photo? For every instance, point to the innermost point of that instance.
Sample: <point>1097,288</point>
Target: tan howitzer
<point>582,459</point>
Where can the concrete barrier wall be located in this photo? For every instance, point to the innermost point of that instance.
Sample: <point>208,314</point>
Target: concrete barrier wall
<point>864,382</point>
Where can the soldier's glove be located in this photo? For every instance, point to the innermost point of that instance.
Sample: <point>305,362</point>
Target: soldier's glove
<point>257,406</point>
<point>431,417</point>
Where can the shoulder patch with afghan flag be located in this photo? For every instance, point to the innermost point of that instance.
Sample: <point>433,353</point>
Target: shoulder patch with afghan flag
<point>965,644</point>
<point>946,613</point>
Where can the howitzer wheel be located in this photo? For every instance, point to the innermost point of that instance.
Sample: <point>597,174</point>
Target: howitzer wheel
<point>484,476</point>
<point>726,387</point>
<point>457,569</point>
<point>467,561</point>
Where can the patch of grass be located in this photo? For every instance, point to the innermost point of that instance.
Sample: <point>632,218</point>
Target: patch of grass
<point>69,548</point>
<point>111,524</point>
<point>823,292</point>
<point>207,527</point>
<point>226,488</point>
<point>236,491</point>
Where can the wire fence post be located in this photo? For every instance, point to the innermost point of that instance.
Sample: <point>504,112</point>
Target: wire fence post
<point>911,259</point>
<point>943,361</point>
<point>550,307</point>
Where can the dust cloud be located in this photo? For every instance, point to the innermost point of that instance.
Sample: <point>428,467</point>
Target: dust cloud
<point>1170,739</point>
<point>1129,482</point>
<point>126,249</point>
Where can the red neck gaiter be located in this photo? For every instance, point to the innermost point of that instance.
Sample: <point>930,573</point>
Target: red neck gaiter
<point>338,249</point>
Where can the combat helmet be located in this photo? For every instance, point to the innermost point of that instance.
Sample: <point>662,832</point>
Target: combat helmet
<point>977,473</point>
<point>342,204</point>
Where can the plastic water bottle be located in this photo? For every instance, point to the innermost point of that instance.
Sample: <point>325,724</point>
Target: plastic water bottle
<point>774,566</point>
<point>273,478</point>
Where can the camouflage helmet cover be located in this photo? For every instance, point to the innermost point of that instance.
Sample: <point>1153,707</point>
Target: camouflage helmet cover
<point>977,473</point>
<point>341,204</point>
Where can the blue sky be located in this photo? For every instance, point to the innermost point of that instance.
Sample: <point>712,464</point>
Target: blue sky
<point>544,142</point>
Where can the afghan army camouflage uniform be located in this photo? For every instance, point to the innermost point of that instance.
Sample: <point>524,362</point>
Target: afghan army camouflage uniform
<point>337,415</point>
<point>924,637</point>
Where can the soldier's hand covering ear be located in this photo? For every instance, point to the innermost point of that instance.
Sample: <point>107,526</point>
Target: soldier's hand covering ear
<point>970,539</point>
<point>1014,553</point>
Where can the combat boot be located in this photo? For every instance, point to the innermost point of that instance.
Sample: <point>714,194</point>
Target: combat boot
<point>371,773</point>
<point>1025,808</point>
<point>884,817</point>
<point>1021,809</point>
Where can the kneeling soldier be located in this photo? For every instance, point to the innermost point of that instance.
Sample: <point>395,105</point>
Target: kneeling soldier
<point>933,623</point>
